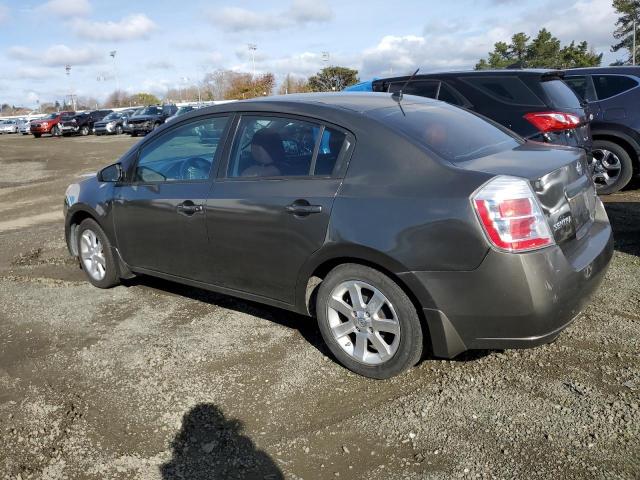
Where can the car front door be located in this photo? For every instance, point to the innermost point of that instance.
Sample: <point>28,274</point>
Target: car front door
<point>159,214</point>
<point>270,206</point>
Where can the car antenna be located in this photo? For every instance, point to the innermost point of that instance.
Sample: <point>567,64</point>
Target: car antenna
<point>397,96</point>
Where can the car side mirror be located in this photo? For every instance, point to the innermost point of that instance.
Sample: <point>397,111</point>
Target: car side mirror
<point>112,173</point>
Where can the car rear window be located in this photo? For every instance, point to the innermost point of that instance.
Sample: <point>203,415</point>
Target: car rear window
<point>453,134</point>
<point>560,94</point>
<point>610,85</point>
<point>506,89</point>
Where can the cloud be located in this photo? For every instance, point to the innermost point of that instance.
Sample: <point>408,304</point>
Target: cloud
<point>300,12</point>
<point>130,27</point>
<point>57,55</point>
<point>66,8</point>
<point>159,65</point>
<point>32,73</point>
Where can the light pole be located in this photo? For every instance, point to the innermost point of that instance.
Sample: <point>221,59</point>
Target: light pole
<point>252,48</point>
<point>112,54</point>
<point>67,69</point>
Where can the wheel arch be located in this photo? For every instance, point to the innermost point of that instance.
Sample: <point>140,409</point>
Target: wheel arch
<point>73,220</point>
<point>325,260</point>
<point>626,141</point>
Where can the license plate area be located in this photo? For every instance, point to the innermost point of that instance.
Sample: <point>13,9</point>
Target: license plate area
<point>582,207</point>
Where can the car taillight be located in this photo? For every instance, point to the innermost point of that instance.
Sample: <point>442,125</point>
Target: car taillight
<point>552,121</point>
<point>510,215</point>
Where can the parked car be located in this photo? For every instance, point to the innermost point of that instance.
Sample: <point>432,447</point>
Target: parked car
<point>614,99</point>
<point>126,128</point>
<point>82,123</point>
<point>390,220</point>
<point>150,118</point>
<point>24,126</point>
<point>49,124</point>
<point>535,104</point>
<point>8,126</point>
<point>181,111</point>
<point>112,124</point>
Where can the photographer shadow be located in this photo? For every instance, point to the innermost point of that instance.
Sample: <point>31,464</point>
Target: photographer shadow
<point>211,447</point>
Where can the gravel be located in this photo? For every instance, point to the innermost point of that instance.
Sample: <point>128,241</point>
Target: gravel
<point>153,380</point>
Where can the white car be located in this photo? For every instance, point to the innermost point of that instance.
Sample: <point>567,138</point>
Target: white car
<point>24,126</point>
<point>9,126</point>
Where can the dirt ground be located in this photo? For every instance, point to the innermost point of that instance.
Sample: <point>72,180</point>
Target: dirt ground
<point>153,380</point>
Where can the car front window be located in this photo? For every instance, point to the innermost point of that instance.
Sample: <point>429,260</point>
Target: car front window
<point>182,154</point>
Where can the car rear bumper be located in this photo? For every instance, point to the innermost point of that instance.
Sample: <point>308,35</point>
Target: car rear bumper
<point>514,300</point>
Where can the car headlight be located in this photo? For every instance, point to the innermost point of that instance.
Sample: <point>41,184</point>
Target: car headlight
<point>111,124</point>
<point>45,124</point>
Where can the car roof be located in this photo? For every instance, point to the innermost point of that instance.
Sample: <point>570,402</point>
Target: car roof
<point>619,70</point>
<point>481,73</point>
<point>359,102</point>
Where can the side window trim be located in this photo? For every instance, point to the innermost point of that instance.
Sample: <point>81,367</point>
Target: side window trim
<point>134,164</point>
<point>340,167</point>
<point>316,149</point>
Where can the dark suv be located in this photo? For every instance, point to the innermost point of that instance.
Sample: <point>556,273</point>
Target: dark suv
<point>398,223</point>
<point>614,100</point>
<point>150,118</point>
<point>535,104</point>
<point>82,123</point>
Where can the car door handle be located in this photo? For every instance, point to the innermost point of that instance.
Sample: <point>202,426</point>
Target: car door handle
<point>189,208</point>
<point>303,209</point>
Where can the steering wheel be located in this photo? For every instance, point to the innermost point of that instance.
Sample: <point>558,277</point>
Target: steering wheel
<point>195,168</point>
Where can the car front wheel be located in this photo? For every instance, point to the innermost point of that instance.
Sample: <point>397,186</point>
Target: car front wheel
<point>368,322</point>
<point>96,255</point>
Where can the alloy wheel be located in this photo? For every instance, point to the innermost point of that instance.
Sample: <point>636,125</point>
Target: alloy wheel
<point>92,255</point>
<point>363,322</point>
<point>607,167</point>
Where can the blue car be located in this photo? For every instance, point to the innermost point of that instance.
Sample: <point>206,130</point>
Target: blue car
<point>614,99</point>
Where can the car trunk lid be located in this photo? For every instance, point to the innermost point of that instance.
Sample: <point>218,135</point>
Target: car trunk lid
<point>560,179</point>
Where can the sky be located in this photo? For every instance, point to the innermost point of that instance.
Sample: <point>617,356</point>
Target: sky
<point>162,44</point>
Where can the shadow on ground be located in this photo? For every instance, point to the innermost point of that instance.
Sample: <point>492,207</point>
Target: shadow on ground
<point>210,446</point>
<point>307,326</point>
<point>625,221</point>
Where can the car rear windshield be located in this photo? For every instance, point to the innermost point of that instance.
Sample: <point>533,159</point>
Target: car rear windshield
<point>452,133</point>
<point>560,94</point>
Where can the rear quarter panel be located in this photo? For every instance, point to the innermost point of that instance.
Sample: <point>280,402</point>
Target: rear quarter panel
<point>409,208</point>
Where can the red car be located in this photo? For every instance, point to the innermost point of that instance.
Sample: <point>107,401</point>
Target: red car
<point>49,124</point>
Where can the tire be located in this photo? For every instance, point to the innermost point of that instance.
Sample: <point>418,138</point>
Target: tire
<point>55,131</point>
<point>403,349</point>
<point>118,129</point>
<point>84,131</point>
<point>37,135</point>
<point>155,126</point>
<point>611,158</point>
<point>134,134</point>
<point>109,271</point>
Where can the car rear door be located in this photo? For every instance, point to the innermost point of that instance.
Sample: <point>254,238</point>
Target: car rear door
<point>159,214</point>
<point>270,206</point>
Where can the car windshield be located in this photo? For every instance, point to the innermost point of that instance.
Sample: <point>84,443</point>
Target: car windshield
<point>67,116</point>
<point>149,111</point>
<point>51,116</point>
<point>452,133</point>
<point>113,116</point>
<point>183,110</point>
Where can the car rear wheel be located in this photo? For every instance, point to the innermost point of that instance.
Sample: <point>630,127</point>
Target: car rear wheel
<point>118,130</point>
<point>613,167</point>
<point>96,255</point>
<point>84,131</point>
<point>368,322</point>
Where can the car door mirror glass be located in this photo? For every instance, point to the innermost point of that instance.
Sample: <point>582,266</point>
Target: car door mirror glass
<point>112,173</point>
